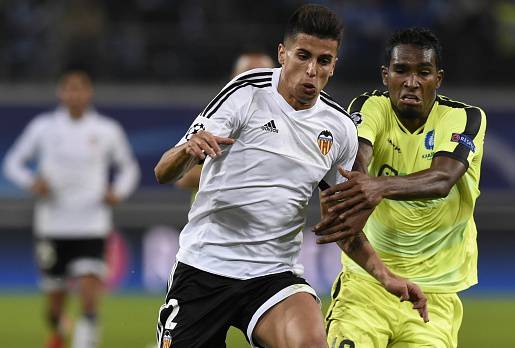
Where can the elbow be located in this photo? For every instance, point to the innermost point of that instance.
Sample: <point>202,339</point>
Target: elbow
<point>159,181</point>
<point>442,191</point>
<point>443,186</point>
<point>158,173</point>
<point>182,184</point>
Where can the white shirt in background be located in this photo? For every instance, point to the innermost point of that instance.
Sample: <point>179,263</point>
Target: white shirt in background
<point>74,156</point>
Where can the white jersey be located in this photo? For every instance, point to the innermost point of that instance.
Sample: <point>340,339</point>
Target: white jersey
<point>74,157</point>
<point>251,203</point>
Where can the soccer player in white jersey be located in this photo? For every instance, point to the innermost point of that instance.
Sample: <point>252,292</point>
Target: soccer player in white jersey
<point>269,138</point>
<point>74,147</point>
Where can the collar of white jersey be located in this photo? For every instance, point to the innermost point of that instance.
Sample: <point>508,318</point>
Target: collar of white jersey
<point>62,113</point>
<point>285,106</point>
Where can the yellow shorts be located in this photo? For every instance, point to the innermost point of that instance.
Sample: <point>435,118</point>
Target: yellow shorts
<point>363,314</point>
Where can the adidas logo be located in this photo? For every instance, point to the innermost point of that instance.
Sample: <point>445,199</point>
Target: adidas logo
<point>270,127</point>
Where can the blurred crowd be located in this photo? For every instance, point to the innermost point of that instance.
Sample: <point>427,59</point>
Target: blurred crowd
<point>196,40</point>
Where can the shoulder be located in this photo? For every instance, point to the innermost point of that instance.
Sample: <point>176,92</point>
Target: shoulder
<point>371,108</point>
<point>332,106</point>
<point>106,123</point>
<point>240,89</point>
<point>255,75</point>
<point>369,99</point>
<point>474,116</point>
<point>455,105</point>
<point>42,120</point>
<point>251,81</point>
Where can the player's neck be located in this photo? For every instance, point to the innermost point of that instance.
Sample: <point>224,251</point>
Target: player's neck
<point>412,124</point>
<point>294,102</point>
<point>76,113</point>
<point>413,121</point>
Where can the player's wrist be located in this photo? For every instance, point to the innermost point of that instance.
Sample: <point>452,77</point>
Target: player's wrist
<point>383,188</point>
<point>383,275</point>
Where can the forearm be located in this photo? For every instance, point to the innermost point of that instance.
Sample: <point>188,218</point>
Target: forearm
<point>15,171</point>
<point>126,180</point>
<point>173,164</point>
<point>426,184</point>
<point>360,251</point>
<point>190,180</point>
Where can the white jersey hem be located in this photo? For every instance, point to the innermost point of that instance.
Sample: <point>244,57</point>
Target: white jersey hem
<point>190,259</point>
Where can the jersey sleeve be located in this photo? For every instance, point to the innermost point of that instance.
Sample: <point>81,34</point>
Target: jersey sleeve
<point>127,174</point>
<point>25,148</point>
<point>346,159</point>
<point>224,115</point>
<point>460,134</point>
<point>369,111</point>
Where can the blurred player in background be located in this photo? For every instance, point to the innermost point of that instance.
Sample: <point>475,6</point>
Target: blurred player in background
<point>269,138</point>
<point>73,147</point>
<point>423,153</point>
<point>245,61</point>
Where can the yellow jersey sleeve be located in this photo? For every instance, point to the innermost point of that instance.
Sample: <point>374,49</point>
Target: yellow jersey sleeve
<point>369,109</point>
<point>460,134</point>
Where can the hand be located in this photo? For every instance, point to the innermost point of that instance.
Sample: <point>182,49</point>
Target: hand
<point>203,143</point>
<point>40,188</point>
<point>359,192</point>
<point>407,291</point>
<point>332,229</point>
<point>111,199</point>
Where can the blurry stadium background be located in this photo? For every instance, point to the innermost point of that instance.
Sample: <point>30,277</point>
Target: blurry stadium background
<point>156,63</point>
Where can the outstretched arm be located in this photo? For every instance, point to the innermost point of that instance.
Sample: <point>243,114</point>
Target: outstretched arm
<point>364,191</point>
<point>178,160</point>
<point>358,248</point>
<point>356,198</point>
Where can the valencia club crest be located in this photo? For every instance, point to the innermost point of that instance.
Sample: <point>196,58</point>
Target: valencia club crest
<point>325,141</point>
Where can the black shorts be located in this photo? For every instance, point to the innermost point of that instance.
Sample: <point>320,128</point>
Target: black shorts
<point>59,259</point>
<point>200,306</point>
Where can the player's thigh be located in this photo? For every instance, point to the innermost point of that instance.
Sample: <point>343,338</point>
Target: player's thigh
<point>296,321</point>
<point>52,260</point>
<point>360,314</point>
<point>260,295</point>
<point>197,310</point>
<point>87,258</point>
<point>445,316</point>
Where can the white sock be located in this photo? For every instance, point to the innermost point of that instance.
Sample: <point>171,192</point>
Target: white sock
<point>86,334</point>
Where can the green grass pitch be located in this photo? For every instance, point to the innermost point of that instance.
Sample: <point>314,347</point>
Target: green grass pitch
<point>129,322</point>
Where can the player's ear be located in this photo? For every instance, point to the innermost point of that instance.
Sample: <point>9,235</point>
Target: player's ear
<point>59,92</point>
<point>384,74</point>
<point>439,78</point>
<point>333,67</point>
<point>281,53</point>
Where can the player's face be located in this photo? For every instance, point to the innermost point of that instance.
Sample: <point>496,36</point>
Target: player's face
<point>308,63</point>
<point>75,93</point>
<point>412,79</point>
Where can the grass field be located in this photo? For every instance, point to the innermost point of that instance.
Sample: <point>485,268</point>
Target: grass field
<point>129,322</point>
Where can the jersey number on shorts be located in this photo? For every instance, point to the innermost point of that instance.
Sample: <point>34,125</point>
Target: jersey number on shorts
<point>170,325</point>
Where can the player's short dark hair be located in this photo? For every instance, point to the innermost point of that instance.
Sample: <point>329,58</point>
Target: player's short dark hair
<point>420,37</point>
<point>82,74</point>
<point>315,20</point>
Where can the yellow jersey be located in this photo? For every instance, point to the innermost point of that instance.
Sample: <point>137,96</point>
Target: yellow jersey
<point>433,241</point>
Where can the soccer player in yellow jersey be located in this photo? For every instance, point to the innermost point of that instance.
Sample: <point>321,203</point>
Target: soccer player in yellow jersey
<point>422,153</point>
